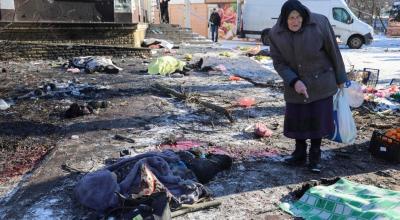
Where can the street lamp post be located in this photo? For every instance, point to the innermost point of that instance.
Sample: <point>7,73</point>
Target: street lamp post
<point>239,16</point>
<point>187,13</point>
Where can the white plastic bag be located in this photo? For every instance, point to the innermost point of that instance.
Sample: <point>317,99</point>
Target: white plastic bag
<point>4,105</point>
<point>354,94</point>
<point>345,127</point>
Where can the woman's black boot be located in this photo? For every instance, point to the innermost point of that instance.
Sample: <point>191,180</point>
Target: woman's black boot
<point>299,156</point>
<point>314,156</point>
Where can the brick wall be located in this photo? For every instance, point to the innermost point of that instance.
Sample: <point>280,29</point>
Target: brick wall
<point>77,11</point>
<point>130,35</point>
<point>33,51</point>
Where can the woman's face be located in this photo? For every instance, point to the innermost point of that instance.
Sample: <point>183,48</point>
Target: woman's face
<point>294,21</point>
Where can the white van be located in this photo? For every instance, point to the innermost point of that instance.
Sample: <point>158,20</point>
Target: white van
<point>258,17</point>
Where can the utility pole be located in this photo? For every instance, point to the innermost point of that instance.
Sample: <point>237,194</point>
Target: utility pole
<point>239,16</point>
<point>187,13</point>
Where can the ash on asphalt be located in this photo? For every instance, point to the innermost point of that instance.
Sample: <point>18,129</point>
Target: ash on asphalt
<point>35,134</point>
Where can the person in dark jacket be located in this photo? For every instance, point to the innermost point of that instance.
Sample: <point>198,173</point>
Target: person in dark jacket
<point>306,55</point>
<point>164,11</point>
<point>215,21</point>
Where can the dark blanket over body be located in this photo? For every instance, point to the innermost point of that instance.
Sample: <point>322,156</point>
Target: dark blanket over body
<point>139,176</point>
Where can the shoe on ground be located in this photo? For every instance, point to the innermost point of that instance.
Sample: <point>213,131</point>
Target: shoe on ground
<point>295,161</point>
<point>315,167</point>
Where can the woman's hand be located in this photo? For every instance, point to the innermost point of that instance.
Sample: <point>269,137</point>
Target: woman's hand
<point>341,86</point>
<point>301,88</point>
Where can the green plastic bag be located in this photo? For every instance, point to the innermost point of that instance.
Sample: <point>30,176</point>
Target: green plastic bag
<point>165,65</point>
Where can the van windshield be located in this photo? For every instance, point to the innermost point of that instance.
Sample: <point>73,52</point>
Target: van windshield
<point>340,14</point>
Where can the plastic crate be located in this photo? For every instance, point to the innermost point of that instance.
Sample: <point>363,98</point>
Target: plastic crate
<point>395,81</point>
<point>384,147</point>
<point>367,76</point>
<point>373,77</point>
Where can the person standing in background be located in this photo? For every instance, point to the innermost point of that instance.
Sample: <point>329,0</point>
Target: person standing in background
<point>164,11</point>
<point>215,21</point>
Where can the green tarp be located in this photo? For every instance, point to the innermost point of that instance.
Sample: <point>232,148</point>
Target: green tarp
<point>346,200</point>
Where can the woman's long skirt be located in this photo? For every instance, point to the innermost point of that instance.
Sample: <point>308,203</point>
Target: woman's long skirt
<point>309,121</point>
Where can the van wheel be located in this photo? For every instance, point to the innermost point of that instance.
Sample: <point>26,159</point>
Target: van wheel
<point>355,42</point>
<point>264,37</point>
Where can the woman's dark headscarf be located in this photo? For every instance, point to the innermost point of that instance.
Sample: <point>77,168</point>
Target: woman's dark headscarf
<point>293,5</point>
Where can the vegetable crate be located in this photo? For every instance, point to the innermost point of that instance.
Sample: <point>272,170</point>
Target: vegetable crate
<point>384,146</point>
<point>367,76</point>
<point>373,76</point>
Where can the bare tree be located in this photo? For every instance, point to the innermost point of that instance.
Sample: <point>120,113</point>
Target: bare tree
<point>367,10</point>
<point>371,11</point>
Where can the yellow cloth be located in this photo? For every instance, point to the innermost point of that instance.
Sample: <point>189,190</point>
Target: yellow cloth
<point>165,65</point>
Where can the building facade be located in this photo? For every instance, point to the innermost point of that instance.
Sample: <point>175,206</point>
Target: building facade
<point>119,11</point>
<point>200,11</point>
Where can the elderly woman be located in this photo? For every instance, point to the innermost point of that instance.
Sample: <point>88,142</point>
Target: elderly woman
<point>306,55</point>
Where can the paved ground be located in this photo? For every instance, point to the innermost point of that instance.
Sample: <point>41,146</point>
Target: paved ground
<point>253,188</point>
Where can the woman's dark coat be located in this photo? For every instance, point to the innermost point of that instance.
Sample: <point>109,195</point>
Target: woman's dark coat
<point>311,55</point>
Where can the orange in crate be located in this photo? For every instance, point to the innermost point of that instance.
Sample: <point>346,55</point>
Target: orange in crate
<point>393,133</point>
<point>386,145</point>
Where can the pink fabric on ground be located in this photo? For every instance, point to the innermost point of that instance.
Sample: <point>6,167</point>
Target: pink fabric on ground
<point>238,153</point>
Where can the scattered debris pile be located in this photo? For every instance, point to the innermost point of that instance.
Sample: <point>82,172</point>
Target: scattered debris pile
<point>255,51</point>
<point>76,110</point>
<point>165,89</point>
<point>63,89</point>
<point>383,100</point>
